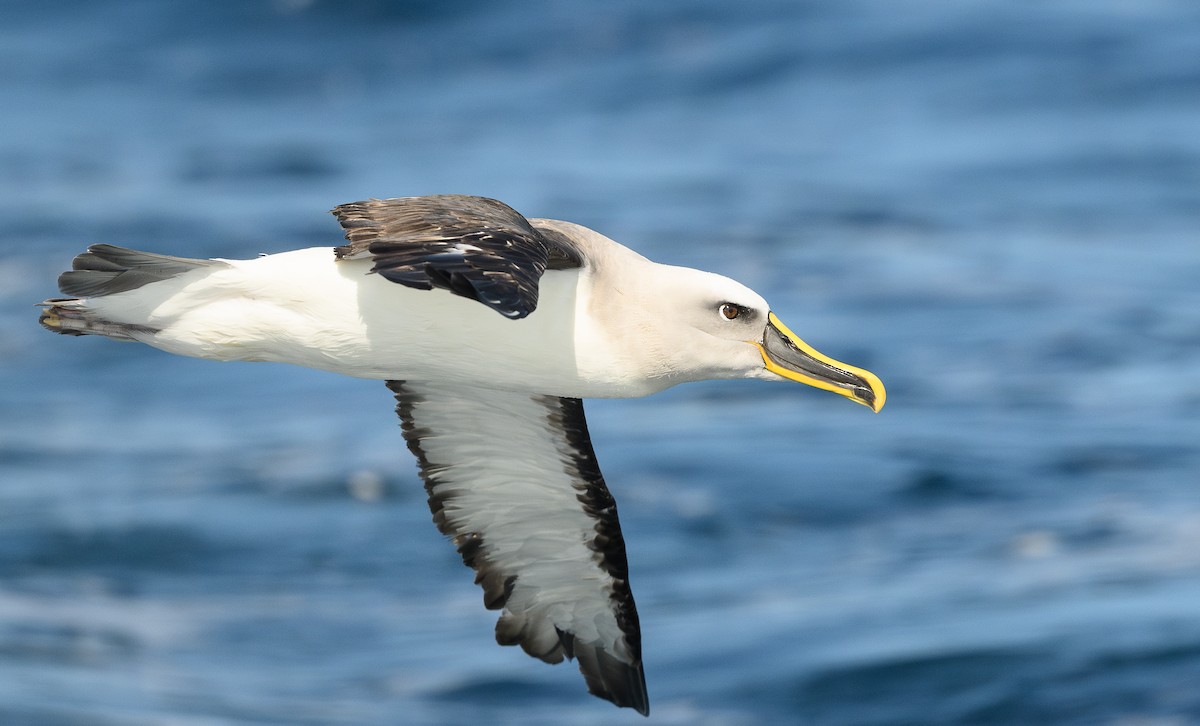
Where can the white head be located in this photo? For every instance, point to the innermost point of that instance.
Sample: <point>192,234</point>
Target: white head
<point>707,326</point>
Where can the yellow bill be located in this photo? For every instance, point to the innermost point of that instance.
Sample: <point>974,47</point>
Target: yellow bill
<point>785,354</point>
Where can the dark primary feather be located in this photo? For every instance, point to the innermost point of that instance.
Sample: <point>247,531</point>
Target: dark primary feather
<point>474,247</point>
<point>617,678</point>
<point>566,415</point>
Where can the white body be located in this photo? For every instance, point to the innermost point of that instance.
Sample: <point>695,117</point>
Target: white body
<point>305,307</point>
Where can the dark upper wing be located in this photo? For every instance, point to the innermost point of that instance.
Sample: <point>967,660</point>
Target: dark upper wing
<point>475,247</point>
<point>513,481</point>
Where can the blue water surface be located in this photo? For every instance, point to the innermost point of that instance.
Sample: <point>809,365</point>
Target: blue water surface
<point>995,205</point>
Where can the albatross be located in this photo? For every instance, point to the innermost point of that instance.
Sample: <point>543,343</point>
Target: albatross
<point>488,328</point>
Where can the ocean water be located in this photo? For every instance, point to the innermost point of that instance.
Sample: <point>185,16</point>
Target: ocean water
<point>994,205</point>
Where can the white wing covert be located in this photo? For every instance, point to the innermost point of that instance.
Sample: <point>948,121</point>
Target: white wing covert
<point>513,481</point>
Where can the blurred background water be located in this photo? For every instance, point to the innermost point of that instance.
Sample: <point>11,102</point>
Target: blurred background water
<point>994,205</point>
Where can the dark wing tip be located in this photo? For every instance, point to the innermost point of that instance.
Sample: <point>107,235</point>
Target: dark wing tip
<point>612,679</point>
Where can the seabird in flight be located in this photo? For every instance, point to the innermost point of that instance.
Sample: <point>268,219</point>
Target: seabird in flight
<point>489,328</point>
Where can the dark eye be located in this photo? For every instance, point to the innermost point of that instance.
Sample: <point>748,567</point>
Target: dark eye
<point>730,311</point>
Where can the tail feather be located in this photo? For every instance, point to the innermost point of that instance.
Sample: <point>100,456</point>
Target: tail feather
<point>107,270</point>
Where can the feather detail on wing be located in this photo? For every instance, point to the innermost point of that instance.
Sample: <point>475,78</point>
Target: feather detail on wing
<point>513,481</point>
<point>475,247</point>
